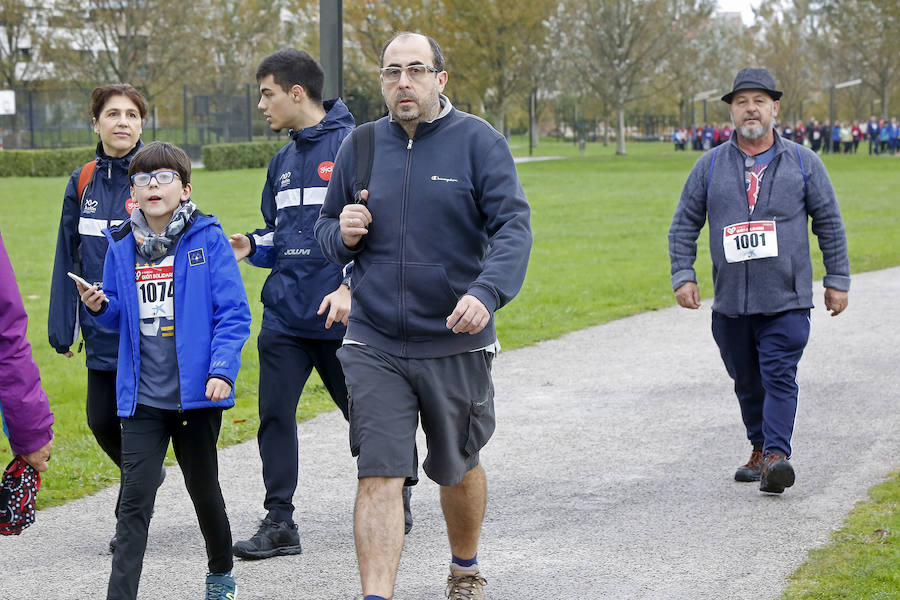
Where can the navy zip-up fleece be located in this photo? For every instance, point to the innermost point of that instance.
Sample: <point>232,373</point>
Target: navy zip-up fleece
<point>81,248</point>
<point>291,199</point>
<point>792,192</point>
<point>449,218</point>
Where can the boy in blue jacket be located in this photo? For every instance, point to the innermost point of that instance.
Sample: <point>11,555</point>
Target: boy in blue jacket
<point>173,291</point>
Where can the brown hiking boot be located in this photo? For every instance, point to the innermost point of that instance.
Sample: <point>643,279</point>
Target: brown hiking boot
<point>464,585</point>
<point>777,473</point>
<point>751,471</point>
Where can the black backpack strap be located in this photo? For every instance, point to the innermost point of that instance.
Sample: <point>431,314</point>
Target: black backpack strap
<point>364,155</point>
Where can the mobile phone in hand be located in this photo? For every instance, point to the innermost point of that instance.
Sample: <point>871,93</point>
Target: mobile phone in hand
<point>78,279</point>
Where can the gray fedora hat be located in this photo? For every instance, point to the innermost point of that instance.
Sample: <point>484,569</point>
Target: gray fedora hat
<point>753,78</point>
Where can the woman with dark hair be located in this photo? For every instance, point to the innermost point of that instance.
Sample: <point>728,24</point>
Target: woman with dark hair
<point>97,196</point>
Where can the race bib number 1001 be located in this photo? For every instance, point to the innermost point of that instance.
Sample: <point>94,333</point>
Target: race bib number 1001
<point>749,241</point>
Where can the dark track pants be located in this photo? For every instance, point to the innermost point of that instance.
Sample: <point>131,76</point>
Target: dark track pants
<point>102,418</point>
<point>761,353</point>
<point>145,439</point>
<point>285,363</point>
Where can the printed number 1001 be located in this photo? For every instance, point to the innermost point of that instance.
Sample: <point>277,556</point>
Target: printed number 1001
<point>752,240</point>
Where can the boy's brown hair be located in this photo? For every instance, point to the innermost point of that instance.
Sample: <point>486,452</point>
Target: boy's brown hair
<point>161,155</point>
<point>101,95</point>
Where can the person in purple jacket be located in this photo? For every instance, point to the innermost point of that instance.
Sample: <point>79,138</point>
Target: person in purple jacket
<point>27,419</point>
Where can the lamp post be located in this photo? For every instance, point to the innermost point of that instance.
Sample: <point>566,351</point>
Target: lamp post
<point>838,86</point>
<point>704,96</point>
<point>331,46</point>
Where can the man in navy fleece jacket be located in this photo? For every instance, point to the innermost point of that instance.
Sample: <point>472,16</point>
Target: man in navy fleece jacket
<point>439,244</point>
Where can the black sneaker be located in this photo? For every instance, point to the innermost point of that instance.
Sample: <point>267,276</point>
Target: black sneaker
<point>273,538</point>
<point>407,511</point>
<point>750,471</point>
<point>777,473</point>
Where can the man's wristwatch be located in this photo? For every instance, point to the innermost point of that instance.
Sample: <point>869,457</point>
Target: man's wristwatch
<point>346,281</point>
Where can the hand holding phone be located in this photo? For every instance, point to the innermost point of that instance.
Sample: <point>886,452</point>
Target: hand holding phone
<point>78,279</point>
<point>92,296</point>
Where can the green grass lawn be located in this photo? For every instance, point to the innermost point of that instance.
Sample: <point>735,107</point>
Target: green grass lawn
<point>600,253</point>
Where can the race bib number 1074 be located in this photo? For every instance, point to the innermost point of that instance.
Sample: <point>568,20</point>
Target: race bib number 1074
<point>749,241</point>
<point>155,289</point>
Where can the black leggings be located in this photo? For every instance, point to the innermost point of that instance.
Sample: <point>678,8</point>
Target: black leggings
<point>102,417</point>
<point>145,439</point>
<point>101,413</point>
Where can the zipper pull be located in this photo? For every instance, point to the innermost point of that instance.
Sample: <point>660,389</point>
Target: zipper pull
<point>409,145</point>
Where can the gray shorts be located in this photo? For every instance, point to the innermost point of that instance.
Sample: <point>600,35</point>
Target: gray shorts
<point>453,394</point>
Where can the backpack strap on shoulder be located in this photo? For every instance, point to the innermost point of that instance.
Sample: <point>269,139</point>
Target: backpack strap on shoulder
<point>364,156</point>
<point>711,167</point>
<point>802,167</point>
<point>84,178</point>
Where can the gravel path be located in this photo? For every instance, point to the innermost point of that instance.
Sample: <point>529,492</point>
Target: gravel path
<point>610,476</point>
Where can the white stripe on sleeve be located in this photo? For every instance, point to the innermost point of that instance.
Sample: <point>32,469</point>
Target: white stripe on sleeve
<point>92,227</point>
<point>265,240</point>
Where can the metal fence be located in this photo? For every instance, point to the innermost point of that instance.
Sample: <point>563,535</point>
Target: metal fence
<point>59,118</point>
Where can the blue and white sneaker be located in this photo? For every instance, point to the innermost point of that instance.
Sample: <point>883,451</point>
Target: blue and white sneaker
<point>220,586</point>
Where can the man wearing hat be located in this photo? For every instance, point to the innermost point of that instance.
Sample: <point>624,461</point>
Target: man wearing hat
<point>758,191</point>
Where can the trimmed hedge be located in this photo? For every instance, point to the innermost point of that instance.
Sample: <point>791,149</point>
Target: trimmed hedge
<point>244,155</point>
<point>44,163</point>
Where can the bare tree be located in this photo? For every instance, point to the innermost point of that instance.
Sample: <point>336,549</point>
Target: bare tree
<point>625,43</point>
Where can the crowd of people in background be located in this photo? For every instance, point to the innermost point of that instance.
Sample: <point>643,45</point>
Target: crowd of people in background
<point>844,137</point>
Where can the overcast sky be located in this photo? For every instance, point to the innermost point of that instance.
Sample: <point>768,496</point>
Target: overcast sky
<point>741,6</point>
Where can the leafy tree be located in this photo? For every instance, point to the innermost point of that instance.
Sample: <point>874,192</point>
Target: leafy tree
<point>497,49</point>
<point>367,26</point>
<point>865,37</point>
<point>706,59</point>
<point>237,34</point>
<point>789,34</point>
<point>151,44</point>
<point>19,23</point>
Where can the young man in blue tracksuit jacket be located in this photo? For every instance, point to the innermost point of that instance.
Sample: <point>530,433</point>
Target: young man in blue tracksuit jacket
<point>441,245</point>
<point>758,192</point>
<point>306,299</point>
<point>175,294</point>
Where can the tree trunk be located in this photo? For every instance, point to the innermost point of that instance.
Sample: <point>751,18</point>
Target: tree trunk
<point>498,120</point>
<point>620,129</point>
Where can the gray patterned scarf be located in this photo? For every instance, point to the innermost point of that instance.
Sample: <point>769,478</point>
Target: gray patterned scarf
<point>155,245</point>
